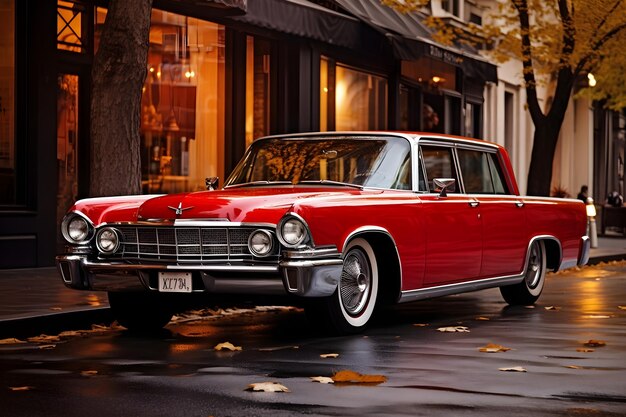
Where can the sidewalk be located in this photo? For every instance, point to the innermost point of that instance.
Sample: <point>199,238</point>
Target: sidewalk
<point>37,299</point>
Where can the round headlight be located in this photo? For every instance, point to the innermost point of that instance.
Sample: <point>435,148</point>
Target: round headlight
<point>107,240</point>
<point>260,243</point>
<point>293,232</point>
<point>76,229</point>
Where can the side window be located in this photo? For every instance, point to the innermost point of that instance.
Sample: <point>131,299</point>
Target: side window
<point>496,174</point>
<point>438,163</point>
<point>476,172</point>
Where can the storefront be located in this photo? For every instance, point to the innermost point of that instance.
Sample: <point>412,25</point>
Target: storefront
<point>219,75</point>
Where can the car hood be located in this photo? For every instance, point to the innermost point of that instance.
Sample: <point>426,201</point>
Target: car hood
<point>250,205</point>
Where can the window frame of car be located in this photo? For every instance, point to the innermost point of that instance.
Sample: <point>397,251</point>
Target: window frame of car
<point>455,145</point>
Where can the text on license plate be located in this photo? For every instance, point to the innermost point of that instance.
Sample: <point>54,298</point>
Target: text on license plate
<point>174,282</point>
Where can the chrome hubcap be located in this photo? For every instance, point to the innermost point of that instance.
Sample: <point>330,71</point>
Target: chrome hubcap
<point>355,282</point>
<point>533,275</point>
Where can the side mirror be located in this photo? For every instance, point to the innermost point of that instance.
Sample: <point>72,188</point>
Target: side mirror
<point>443,184</point>
<point>212,183</point>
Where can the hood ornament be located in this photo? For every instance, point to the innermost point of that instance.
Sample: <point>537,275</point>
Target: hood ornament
<point>179,210</point>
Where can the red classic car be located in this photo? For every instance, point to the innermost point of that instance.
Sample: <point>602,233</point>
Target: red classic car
<point>338,222</point>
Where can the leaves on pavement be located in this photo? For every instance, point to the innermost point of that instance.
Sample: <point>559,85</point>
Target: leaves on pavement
<point>322,379</point>
<point>597,316</point>
<point>595,343</point>
<point>454,329</point>
<point>329,355</point>
<point>493,348</point>
<point>267,387</point>
<point>622,307</point>
<point>351,377</point>
<point>11,341</point>
<point>45,347</point>
<point>513,369</point>
<point>24,388</point>
<point>44,338</point>
<point>227,346</point>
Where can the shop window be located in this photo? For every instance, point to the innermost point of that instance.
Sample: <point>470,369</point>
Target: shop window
<point>258,54</point>
<point>70,31</point>
<point>351,99</point>
<point>8,193</point>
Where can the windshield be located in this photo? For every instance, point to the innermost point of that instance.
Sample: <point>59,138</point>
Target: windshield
<point>380,162</point>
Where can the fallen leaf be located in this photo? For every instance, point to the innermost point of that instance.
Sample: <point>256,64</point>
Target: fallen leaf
<point>513,369</point>
<point>552,308</point>
<point>89,373</point>
<point>56,308</point>
<point>454,329</point>
<point>493,348</point>
<point>420,324</point>
<point>584,350</point>
<point>25,388</point>
<point>322,379</point>
<point>573,367</point>
<point>45,347</point>
<point>227,346</point>
<point>595,343</point>
<point>329,355</point>
<point>622,307</point>
<point>267,387</point>
<point>352,377</point>
<point>70,333</point>
<point>482,318</point>
<point>11,341</point>
<point>597,316</point>
<point>44,339</point>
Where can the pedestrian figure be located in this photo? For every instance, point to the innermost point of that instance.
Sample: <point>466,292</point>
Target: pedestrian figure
<point>582,195</point>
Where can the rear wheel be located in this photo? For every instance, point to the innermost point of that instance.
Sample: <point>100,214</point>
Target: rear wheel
<point>351,307</point>
<point>140,312</point>
<point>528,291</point>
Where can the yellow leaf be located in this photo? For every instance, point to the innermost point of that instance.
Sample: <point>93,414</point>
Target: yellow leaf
<point>24,388</point>
<point>482,318</point>
<point>56,308</point>
<point>70,333</point>
<point>89,373</point>
<point>597,316</point>
<point>552,308</point>
<point>44,339</point>
<point>322,379</point>
<point>267,387</point>
<point>574,367</point>
<point>622,307</point>
<point>47,346</point>
<point>513,369</point>
<point>11,341</point>
<point>227,346</point>
<point>595,343</point>
<point>585,350</point>
<point>329,355</point>
<point>420,324</point>
<point>454,329</point>
<point>351,377</point>
<point>493,348</point>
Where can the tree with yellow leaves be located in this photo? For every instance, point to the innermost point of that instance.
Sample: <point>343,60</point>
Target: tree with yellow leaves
<point>559,43</point>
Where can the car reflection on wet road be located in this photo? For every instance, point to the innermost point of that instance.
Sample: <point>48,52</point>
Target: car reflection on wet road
<point>565,357</point>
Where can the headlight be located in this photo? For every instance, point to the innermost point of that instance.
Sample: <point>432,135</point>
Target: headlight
<point>260,243</point>
<point>292,232</point>
<point>76,229</point>
<point>107,240</point>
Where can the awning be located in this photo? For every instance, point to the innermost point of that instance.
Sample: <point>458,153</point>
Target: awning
<point>306,19</point>
<point>220,8</point>
<point>411,39</point>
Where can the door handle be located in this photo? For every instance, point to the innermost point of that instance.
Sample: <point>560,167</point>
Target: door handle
<point>519,204</point>
<point>474,203</point>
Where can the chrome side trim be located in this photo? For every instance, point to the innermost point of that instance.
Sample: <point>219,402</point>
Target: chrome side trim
<point>585,250</point>
<point>312,253</point>
<point>448,289</point>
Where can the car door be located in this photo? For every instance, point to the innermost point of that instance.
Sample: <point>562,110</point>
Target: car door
<point>502,214</point>
<point>452,222</point>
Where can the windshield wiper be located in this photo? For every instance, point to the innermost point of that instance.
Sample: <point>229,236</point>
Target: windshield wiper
<point>252,183</point>
<point>330,182</point>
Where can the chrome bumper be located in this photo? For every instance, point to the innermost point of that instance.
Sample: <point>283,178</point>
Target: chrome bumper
<point>310,273</point>
<point>584,250</point>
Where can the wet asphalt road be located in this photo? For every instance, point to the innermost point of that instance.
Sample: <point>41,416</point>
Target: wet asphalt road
<point>429,373</point>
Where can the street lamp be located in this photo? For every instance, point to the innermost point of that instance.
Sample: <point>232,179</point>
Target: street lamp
<point>592,230</point>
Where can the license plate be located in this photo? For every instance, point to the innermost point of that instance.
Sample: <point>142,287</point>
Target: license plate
<point>174,282</point>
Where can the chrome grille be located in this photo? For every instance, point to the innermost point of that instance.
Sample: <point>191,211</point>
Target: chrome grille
<point>184,244</point>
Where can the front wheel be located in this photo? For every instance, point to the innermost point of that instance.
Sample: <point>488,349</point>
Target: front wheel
<point>351,307</point>
<point>528,291</point>
<point>140,312</point>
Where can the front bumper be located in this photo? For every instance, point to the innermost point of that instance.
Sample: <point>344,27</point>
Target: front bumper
<point>309,273</point>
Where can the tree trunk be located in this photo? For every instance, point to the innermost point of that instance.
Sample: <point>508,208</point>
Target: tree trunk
<point>545,139</point>
<point>118,74</point>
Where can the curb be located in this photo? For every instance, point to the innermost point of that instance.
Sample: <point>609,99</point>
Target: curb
<point>54,323</point>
